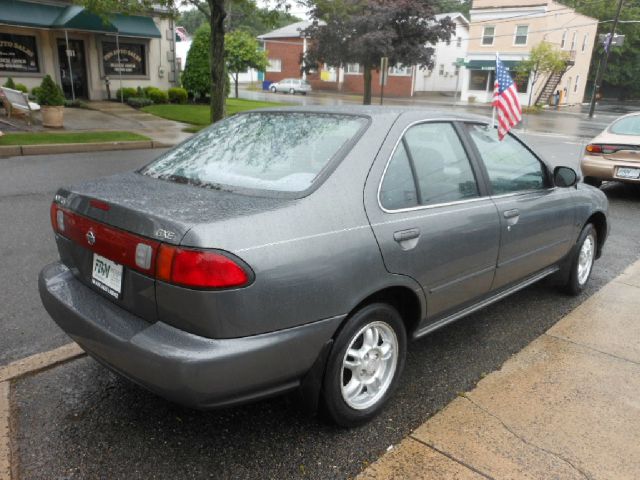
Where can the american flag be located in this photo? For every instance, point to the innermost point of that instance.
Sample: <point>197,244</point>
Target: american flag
<point>505,100</point>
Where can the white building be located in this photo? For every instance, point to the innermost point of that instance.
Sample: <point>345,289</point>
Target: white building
<point>446,75</point>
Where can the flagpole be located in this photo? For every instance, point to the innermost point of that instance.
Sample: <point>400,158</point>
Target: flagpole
<point>493,110</point>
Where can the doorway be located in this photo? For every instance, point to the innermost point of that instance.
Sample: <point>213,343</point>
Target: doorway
<point>78,74</point>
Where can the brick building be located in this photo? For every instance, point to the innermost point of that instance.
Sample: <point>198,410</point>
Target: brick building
<point>285,47</point>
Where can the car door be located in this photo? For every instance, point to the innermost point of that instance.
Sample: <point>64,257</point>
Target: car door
<point>432,218</point>
<point>536,218</point>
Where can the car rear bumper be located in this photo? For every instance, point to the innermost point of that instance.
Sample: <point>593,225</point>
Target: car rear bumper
<point>188,369</point>
<point>605,169</point>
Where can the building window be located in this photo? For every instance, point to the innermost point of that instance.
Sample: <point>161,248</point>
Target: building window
<point>441,70</point>
<point>18,53</point>
<point>400,70</point>
<point>585,41</point>
<point>487,35</point>
<point>575,85</point>
<point>459,42</point>
<point>478,79</point>
<point>563,42</point>
<point>522,32</point>
<point>129,59</point>
<point>353,69</point>
<point>275,65</point>
<point>573,41</point>
<point>457,72</point>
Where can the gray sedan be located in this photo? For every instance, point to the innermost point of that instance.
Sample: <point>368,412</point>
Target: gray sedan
<point>301,249</point>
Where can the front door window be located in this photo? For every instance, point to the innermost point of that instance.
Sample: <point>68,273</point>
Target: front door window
<point>73,69</point>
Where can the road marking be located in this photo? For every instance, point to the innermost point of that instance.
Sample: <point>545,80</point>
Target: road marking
<point>40,361</point>
<point>5,444</point>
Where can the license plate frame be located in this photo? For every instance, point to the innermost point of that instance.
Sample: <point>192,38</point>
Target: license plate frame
<point>628,173</point>
<point>107,275</point>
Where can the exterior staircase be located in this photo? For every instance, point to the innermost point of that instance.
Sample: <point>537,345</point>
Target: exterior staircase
<point>549,88</point>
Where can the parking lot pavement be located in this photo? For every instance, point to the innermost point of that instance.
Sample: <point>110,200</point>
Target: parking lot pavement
<point>81,421</point>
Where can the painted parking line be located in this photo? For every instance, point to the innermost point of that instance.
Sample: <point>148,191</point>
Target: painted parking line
<point>40,361</point>
<point>5,444</point>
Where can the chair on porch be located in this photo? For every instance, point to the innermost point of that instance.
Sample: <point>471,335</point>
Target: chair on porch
<point>16,102</point>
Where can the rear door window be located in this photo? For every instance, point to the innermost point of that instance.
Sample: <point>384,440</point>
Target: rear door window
<point>429,167</point>
<point>510,165</point>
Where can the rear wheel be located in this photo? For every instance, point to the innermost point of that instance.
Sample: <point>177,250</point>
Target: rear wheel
<point>594,182</point>
<point>365,364</point>
<point>273,89</point>
<point>292,91</point>
<point>582,263</point>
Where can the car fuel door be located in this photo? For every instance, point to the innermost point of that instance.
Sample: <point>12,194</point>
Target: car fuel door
<point>430,215</point>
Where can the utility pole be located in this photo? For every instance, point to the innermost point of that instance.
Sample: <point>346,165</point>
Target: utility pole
<point>603,62</point>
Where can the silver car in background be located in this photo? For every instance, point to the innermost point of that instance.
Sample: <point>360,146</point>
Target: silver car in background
<point>291,85</point>
<point>301,248</point>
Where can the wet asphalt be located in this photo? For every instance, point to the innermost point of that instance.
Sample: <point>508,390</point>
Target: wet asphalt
<point>79,421</point>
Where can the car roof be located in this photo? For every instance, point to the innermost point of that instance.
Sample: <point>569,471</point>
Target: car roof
<point>379,111</point>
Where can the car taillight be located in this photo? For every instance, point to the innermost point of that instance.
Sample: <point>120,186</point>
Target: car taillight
<point>57,218</point>
<point>592,148</point>
<point>199,268</point>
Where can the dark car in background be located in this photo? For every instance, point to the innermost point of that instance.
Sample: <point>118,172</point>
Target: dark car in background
<point>302,248</point>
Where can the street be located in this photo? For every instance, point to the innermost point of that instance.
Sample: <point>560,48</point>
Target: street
<point>81,421</point>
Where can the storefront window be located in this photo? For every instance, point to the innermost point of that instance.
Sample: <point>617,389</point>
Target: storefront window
<point>132,59</point>
<point>478,79</point>
<point>18,53</point>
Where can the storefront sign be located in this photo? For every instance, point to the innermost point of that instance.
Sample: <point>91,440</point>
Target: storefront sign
<point>18,53</point>
<point>129,60</point>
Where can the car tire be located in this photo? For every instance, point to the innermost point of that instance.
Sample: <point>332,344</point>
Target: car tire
<point>273,90</point>
<point>292,91</point>
<point>304,93</point>
<point>369,351</point>
<point>594,182</point>
<point>582,262</point>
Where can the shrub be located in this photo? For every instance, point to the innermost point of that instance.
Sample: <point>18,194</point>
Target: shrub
<point>196,77</point>
<point>177,95</point>
<point>9,83</point>
<point>140,92</point>
<point>156,95</point>
<point>50,94</point>
<point>139,102</point>
<point>126,93</point>
<point>21,87</point>
<point>35,91</point>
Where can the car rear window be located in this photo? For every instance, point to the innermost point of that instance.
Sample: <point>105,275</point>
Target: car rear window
<point>266,151</point>
<point>626,126</point>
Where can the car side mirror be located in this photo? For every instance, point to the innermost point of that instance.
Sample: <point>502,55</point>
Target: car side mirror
<point>564,177</point>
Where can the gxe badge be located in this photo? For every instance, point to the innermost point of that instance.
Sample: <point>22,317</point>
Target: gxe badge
<point>91,237</point>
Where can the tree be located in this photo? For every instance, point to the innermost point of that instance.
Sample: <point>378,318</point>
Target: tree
<point>242,52</point>
<point>364,31</point>
<point>196,77</point>
<point>215,11</point>
<point>623,68</point>
<point>544,59</point>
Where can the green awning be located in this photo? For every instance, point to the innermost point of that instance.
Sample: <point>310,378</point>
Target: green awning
<point>135,26</point>
<point>74,17</point>
<point>490,64</point>
<point>16,12</point>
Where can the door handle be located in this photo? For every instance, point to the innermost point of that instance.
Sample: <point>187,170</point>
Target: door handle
<point>404,235</point>
<point>513,213</point>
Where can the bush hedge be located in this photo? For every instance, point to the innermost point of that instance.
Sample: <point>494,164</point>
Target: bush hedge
<point>21,87</point>
<point>177,95</point>
<point>126,93</point>
<point>156,95</point>
<point>139,102</point>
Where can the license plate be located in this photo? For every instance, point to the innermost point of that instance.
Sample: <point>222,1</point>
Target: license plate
<point>629,173</point>
<point>107,275</point>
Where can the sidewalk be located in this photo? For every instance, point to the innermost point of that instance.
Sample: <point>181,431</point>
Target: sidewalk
<point>565,407</point>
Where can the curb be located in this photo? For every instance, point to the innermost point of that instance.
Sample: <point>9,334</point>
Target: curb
<point>53,149</point>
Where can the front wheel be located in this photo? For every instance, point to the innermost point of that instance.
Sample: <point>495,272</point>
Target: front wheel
<point>292,91</point>
<point>582,263</point>
<point>594,182</point>
<point>365,364</point>
<point>273,89</point>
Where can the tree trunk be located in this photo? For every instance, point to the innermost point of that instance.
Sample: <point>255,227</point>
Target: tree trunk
<point>218,71</point>
<point>235,79</point>
<point>366,97</point>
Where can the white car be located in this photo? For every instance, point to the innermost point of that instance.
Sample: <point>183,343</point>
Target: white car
<point>291,85</point>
